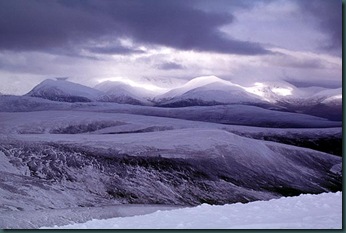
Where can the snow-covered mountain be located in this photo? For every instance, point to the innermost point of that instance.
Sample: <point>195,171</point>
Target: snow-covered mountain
<point>329,96</point>
<point>317,101</point>
<point>211,90</point>
<point>322,102</point>
<point>280,92</point>
<point>205,91</point>
<point>65,91</point>
<point>120,92</point>
<point>208,90</point>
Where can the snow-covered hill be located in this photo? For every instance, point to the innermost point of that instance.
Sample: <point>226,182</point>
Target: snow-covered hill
<point>322,102</point>
<point>329,96</point>
<point>225,114</point>
<point>316,101</point>
<point>147,160</point>
<point>211,90</point>
<point>65,91</point>
<point>120,92</point>
<point>207,90</point>
<point>286,94</point>
<point>82,155</point>
<point>323,211</point>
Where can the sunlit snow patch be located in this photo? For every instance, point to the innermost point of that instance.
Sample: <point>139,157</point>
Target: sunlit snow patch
<point>282,91</point>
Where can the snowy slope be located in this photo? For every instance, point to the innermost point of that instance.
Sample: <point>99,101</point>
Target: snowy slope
<point>323,211</point>
<point>120,92</point>
<point>286,93</point>
<point>174,167</point>
<point>35,219</point>
<point>225,114</point>
<point>11,103</point>
<point>192,84</point>
<point>207,90</point>
<point>211,90</point>
<point>42,122</point>
<point>62,90</point>
<point>326,103</point>
<point>314,96</point>
<point>214,93</point>
<point>95,157</point>
<point>316,101</point>
<point>329,96</point>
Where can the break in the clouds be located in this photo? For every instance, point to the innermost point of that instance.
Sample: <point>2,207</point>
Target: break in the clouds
<point>243,40</point>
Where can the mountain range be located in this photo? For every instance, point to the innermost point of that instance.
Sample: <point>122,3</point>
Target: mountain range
<point>201,91</point>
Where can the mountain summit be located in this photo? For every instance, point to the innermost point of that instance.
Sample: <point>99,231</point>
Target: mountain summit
<point>208,90</point>
<point>64,91</point>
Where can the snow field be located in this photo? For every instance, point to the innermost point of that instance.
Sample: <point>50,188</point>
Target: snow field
<point>307,211</point>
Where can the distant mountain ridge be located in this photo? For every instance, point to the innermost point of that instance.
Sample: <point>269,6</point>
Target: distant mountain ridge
<point>201,91</point>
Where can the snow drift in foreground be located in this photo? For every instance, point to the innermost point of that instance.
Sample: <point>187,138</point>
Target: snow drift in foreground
<point>323,211</point>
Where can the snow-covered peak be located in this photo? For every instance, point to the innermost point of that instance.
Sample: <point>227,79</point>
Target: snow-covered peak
<point>208,90</point>
<point>204,80</point>
<point>197,83</point>
<point>63,90</point>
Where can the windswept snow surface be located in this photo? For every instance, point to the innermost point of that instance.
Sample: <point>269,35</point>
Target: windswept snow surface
<point>323,211</point>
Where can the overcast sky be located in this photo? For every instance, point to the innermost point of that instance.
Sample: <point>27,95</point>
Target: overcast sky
<point>244,41</point>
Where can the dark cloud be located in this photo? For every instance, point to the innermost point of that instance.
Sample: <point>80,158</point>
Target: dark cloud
<point>312,83</point>
<point>41,25</point>
<point>46,25</point>
<point>327,15</point>
<point>170,66</point>
<point>300,62</point>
